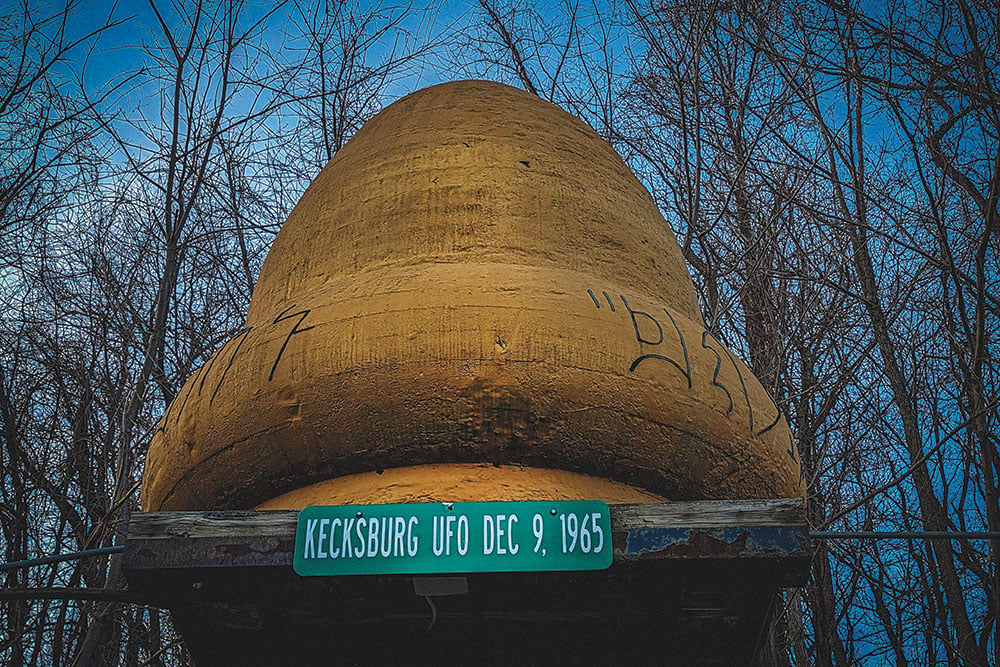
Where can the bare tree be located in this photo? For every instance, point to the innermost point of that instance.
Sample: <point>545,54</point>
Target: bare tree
<point>899,238</point>
<point>124,276</point>
<point>345,58</point>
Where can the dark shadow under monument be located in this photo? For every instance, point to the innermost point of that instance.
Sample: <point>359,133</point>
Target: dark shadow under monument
<point>691,583</point>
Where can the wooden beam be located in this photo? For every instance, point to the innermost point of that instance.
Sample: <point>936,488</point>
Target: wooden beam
<point>709,514</point>
<point>712,529</point>
<point>691,583</point>
<point>214,524</point>
<point>281,523</point>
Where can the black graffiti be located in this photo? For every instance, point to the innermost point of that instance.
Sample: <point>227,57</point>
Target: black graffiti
<point>718,367</point>
<point>743,384</point>
<point>634,315</point>
<point>176,407</point>
<point>642,325</point>
<point>680,336</point>
<point>208,369</point>
<point>302,315</point>
<point>791,447</point>
<point>635,324</point>
<point>597,304</point>
<point>190,388</point>
<point>775,422</point>
<point>242,335</point>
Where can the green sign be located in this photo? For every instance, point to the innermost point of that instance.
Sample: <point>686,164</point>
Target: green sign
<point>433,538</point>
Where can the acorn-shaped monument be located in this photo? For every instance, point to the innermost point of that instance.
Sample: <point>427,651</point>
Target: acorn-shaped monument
<point>475,300</point>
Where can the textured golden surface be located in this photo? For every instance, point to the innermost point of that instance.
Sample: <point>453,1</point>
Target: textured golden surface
<point>475,278</point>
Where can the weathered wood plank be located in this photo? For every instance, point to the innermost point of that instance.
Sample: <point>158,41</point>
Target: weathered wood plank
<point>709,514</point>
<point>228,524</point>
<point>690,583</point>
<point>680,514</point>
<point>713,530</point>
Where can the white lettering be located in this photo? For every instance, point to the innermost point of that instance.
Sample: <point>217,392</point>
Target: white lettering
<point>511,547</point>
<point>373,527</point>
<point>346,550</point>
<point>334,552</point>
<point>449,533</point>
<point>463,535</point>
<point>437,544</point>
<point>322,537</point>
<point>495,528</point>
<point>359,552</point>
<point>386,542</point>
<point>501,519</point>
<point>412,540</point>
<point>398,545</point>
<point>310,548</point>
<point>489,535</point>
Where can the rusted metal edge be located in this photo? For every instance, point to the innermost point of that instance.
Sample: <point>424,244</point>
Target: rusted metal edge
<point>729,542</point>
